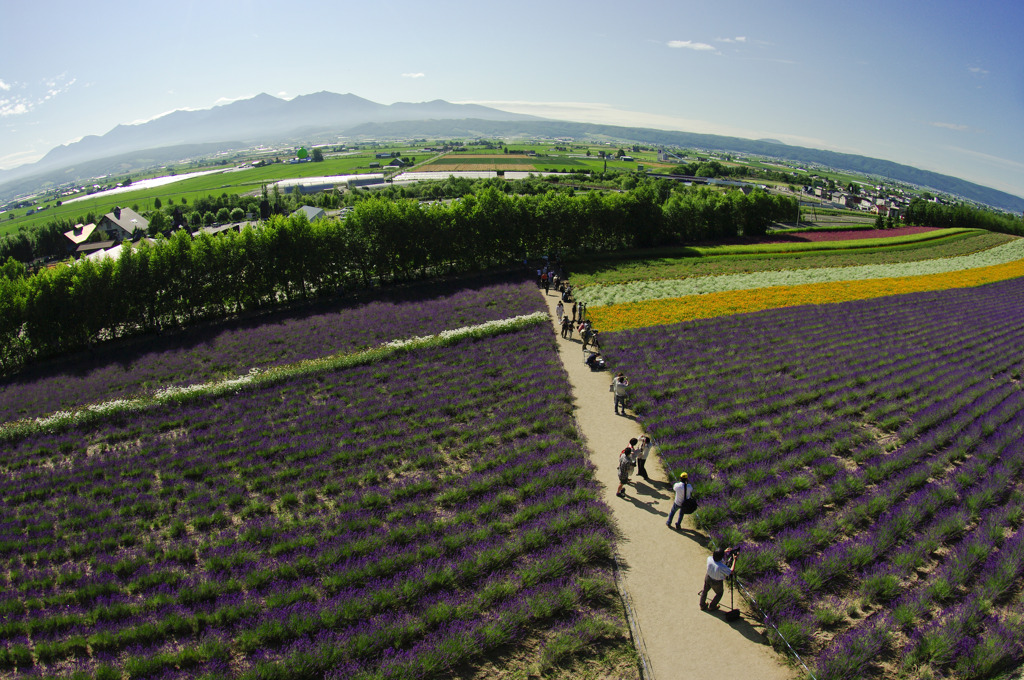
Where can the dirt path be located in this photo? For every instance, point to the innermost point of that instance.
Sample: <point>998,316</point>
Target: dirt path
<point>663,569</point>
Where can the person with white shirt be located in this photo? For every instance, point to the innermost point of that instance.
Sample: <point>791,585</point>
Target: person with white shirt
<point>720,566</point>
<point>683,499</point>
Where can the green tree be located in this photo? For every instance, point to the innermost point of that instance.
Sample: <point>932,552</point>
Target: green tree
<point>12,269</point>
<point>158,223</point>
<point>14,344</point>
<point>318,155</point>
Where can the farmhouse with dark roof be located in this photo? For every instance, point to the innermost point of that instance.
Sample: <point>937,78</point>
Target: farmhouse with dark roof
<point>123,224</point>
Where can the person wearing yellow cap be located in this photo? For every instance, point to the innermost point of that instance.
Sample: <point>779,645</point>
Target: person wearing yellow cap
<point>683,501</point>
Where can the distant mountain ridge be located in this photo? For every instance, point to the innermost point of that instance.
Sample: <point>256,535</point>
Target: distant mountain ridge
<point>260,119</point>
<point>265,119</point>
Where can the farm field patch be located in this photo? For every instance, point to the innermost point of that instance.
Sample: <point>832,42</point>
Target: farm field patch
<point>1007,254</point>
<point>394,519</point>
<point>466,162</point>
<point>229,181</point>
<point>852,235</point>
<point>672,310</point>
<point>233,348</point>
<point>597,272</point>
<point>867,457</point>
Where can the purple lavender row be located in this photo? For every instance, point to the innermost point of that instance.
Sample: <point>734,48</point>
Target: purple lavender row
<point>732,335</point>
<point>857,511</point>
<point>984,344</point>
<point>669,453</point>
<point>840,563</point>
<point>754,497</point>
<point>880,583</point>
<point>476,502</point>
<point>679,344</point>
<point>952,637</point>
<point>232,348</point>
<point>825,387</point>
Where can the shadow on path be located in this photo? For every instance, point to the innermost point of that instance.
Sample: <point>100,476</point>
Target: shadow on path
<point>657,562</point>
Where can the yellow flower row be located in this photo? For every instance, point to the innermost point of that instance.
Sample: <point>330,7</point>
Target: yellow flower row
<point>674,310</point>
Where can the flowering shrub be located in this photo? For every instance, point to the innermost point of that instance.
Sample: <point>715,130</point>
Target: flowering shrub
<point>868,454</point>
<point>597,296</point>
<point>231,349</point>
<point>393,518</point>
<point>711,305</point>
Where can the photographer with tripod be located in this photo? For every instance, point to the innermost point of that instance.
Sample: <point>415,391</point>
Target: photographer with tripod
<point>720,567</point>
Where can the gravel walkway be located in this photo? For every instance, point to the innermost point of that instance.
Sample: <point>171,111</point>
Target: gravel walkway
<point>662,569</point>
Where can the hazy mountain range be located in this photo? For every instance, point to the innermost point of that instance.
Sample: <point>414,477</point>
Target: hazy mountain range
<point>325,116</point>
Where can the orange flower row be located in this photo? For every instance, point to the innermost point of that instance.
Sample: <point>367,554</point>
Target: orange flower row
<point>674,310</point>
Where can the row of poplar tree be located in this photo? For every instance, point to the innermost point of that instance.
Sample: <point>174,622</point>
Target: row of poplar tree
<point>182,279</point>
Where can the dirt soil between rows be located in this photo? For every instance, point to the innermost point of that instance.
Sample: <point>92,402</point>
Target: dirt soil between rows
<point>662,569</point>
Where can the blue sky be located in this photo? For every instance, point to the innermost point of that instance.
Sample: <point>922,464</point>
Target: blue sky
<point>938,85</point>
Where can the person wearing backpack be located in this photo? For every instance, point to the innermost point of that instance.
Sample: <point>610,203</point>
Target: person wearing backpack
<point>684,502</point>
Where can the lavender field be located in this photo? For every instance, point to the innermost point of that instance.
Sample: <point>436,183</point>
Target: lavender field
<point>233,348</point>
<point>868,457</point>
<point>392,520</point>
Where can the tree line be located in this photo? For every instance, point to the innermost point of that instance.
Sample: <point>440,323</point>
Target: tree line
<point>957,216</point>
<point>181,279</point>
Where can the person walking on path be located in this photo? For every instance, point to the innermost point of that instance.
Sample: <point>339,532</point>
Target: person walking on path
<point>625,467</point>
<point>720,566</point>
<point>618,390</point>
<point>574,311</point>
<point>641,456</point>
<point>559,311</point>
<point>547,282</point>
<point>726,651</point>
<point>682,501</point>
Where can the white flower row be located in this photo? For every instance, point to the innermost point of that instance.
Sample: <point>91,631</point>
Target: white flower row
<point>256,376</point>
<point>636,291</point>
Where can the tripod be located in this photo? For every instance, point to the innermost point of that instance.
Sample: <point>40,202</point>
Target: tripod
<point>733,614</point>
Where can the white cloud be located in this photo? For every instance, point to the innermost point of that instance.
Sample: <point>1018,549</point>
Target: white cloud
<point>414,75</point>
<point>143,121</point>
<point>978,71</point>
<point>949,126</point>
<point>690,45</point>
<point>24,103</point>
<point>229,100</point>
<point>737,39</point>
<point>14,107</point>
